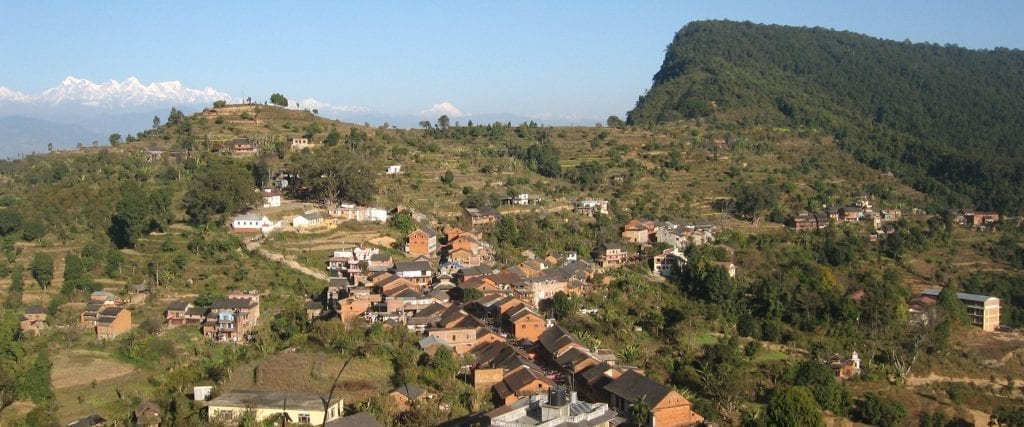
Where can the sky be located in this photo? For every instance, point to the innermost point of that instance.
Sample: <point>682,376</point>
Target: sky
<point>572,60</point>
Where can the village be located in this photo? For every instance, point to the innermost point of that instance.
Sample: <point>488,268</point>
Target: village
<point>447,287</point>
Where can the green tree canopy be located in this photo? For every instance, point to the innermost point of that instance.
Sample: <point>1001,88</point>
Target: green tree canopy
<point>220,189</point>
<point>278,100</point>
<point>794,406</point>
<point>42,269</point>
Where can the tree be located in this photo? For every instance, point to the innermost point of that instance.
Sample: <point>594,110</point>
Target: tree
<point>10,221</point>
<point>822,383</point>
<point>615,122</point>
<point>562,306</point>
<point>42,269</point>
<point>754,200</point>
<point>443,122</point>
<point>471,294</point>
<point>35,383</point>
<point>278,100</point>
<point>640,411</point>
<point>794,406</point>
<point>448,178</point>
<point>402,222</point>
<point>17,286</point>
<point>114,139</point>
<point>221,188</point>
<point>879,410</point>
<point>156,122</point>
<point>333,137</point>
<point>33,229</point>
<point>131,216</point>
<point>219,103</point>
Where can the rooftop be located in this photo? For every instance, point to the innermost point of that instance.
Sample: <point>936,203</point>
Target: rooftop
<point>960,295</point>
<point>270,399</point>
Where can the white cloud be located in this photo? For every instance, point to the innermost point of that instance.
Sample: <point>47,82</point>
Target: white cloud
<point>444,108</point>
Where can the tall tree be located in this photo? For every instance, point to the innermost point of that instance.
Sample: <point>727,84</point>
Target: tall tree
<point>794,406</point>
<point>278,100</point>
<point>42,269</point>
<point>220,189</point>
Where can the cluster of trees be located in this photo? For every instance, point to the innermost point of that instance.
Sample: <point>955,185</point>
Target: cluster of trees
<point>954,137</point>
<point>219,189</point>
<point>336,174</point>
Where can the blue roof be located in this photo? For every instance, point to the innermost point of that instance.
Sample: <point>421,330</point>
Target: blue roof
<point>960,295</point>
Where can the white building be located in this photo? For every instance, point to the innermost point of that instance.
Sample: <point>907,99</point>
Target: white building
<point>307,220</point>
<point>251,223</point>
<point>394,169</point>
<point>301,408</point>
<point>299,143</point>
<point>352,212</point>
<point>271,198</point>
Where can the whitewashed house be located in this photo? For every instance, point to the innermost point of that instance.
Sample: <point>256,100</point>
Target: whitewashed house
<point>252,223</point>
<point>307,220</point>
<point>271,198</point>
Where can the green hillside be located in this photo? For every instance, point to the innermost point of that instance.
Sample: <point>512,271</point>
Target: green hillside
<point>944,119</point>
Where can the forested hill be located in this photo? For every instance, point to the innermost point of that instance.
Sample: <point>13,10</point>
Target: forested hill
<point>947,120</point>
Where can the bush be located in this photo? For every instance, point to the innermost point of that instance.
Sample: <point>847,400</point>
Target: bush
<point>879,410</point>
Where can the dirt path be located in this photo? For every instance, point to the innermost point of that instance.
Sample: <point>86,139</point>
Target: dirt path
<point>290,262</point>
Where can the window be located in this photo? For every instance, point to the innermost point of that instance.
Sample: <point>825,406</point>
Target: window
<point>303,418</point>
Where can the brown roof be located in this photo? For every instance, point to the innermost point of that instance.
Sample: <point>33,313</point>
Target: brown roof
<point>362,419</point>
<point>632,385</point>
<point>523,376</point>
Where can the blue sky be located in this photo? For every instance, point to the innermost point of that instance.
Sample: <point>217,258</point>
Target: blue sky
<point>584,59</point>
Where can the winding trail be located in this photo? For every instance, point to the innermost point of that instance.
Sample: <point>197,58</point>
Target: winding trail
<point>290,262</point>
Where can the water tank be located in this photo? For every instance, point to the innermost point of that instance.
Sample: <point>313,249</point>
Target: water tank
<point>557,396</point>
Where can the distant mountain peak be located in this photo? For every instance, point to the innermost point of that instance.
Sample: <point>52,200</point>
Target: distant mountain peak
<point>127,94</point>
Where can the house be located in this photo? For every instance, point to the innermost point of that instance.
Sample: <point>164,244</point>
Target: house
<point>418,272</point>
<point>352,212</point>
<point>557,407</point>
<point>480,216</point>
<point>241,147</point>
<point>147,414</point>
<point>807,221</point>
<point>33,321</point>
<point>271,198</point>
<point>639,231</point>
<point>380,262</point>
<point>174,315</point>
<point>851,214</point>
<point>231,319</point>
<point>253,223</point>
<point>308,220</point>
<point>981,309</point>
<point>891,215</point>
<point>556,340</point>
<point>112,321</point>
<point>526,323</point>
<point>407,395</point>
<point>314,310</point>
<point>296,144</point>
<point>667,262</point>
<point>610,255</point>
<point>979,218</point>
<point>590,207</point>
<point>93,420</point>
<point>667,407</point>
<point>520,382</point>
<point>844,368</point>
<point>421,242</point>
<point>394,170</point>
<point>521,199</point>
<point>297,407</point>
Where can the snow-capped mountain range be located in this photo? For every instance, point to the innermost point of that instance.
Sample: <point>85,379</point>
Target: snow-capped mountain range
<point>113,94</point>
